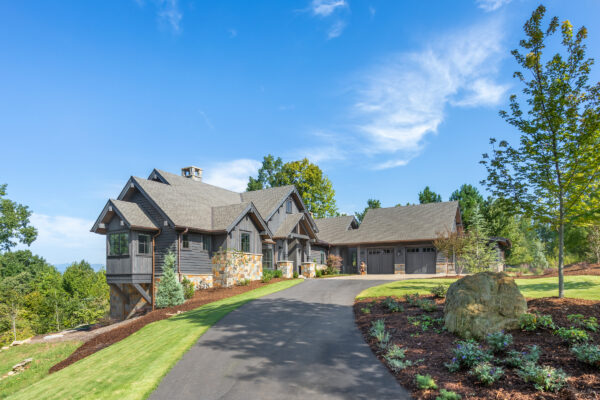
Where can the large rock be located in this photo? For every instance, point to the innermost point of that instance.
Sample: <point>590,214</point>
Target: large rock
<point>483,303</point>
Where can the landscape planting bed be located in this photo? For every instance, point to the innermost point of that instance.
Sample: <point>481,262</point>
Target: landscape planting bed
<point>430,349</point>
<point>105,339</point>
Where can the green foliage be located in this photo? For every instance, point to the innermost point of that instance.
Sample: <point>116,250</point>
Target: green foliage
<point>572,335</point>
<point>468,197</point>
<point>365,310</point>
<point>544,378</point>
<point>593,238</point>
<point>269,274</point>
<point>379,333</point>
<point>426,322</point>
<point>587,353</point>
<point>14,223</point>
<point>478,253</point>
<point>412,299</point>
<point>448,395</point>
<point>427,305</point>
<point>318,273</point>
<point>467,353</point>
<point>439,291</point>
<point>517,359</point>
<point>429,196</point>
<point>392,305</point>
<point>295,275</point>
<point>395,358</point>
<point>486,373</point>
<point>532,322</point>
<point>170,291</point>
<point>425,382</point>
<point>188,288</point>
<point>499,342</point>
<point>372,204</point>
<point>246,282</point>
<point>313,186</point>
<point>556,158</point>
<point>590,324</point>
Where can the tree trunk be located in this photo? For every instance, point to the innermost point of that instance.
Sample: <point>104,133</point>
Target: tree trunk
<point>561,244</point>
<point>14,326</point>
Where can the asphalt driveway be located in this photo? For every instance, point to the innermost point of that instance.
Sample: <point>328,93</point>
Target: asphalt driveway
<point>300,343</point>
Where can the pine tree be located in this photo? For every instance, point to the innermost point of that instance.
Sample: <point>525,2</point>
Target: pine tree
<point>479,254</point>
<point>170,291</point>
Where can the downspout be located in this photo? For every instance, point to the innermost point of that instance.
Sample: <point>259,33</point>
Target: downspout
<point>153,269</point>
<point>179,253</point>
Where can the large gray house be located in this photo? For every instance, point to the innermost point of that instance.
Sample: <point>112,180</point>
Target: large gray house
<point>219,236</point>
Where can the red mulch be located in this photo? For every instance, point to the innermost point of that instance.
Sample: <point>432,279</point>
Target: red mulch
<point>435,349</point>
<point>105,339</point>
<point>575,269</point>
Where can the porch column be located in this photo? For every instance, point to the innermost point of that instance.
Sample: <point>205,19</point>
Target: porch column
<point>358,260</point>
<point>308,251</point>
<point>285,250</point>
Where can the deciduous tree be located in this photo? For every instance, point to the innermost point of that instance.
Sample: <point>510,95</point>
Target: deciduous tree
<point>14,223</point>
<point>371,205</point>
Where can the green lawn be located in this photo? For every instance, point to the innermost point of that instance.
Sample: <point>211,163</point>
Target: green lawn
<point>133,367</point>
<point>44,356</point>
<point>580,287</point>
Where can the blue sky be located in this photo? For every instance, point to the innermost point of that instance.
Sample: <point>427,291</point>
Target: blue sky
<point>386,96</point>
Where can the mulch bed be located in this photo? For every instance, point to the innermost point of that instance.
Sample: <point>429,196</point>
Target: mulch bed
<point>435,350</point>
<point>200,298</point>
<point>575,269</point>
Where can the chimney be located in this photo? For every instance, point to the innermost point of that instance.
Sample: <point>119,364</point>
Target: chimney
<point>192,172</point>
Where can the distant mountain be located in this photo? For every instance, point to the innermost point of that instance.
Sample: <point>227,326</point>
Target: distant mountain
<point>62,267</point>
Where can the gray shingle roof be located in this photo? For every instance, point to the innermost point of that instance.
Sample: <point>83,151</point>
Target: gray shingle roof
<point>133,214</point>
<point>223,216</point>
<point>404,223</point>
<point>331,228</point>
<point>288,224</point>
<point>267,200</point>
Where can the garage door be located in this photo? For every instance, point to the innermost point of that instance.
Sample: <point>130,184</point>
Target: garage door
<point>380,261</point>
<point>420,260</point>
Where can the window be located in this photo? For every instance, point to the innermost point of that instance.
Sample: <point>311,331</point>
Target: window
<point>245,241</point>
<point>288,206</point>
<point>118,244</point>
<point>322,257</point>
<point>268,258</point>
<point>428,250</point>
<point>412,250</point>
<point>144,244</point>
<point>185,241</point>
<point>207,243</point>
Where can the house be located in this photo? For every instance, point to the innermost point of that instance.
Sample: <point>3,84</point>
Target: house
<point>220,237</point>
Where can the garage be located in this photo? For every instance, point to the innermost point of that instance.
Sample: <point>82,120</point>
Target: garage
<point>380,261</point>
<point>420,260</point>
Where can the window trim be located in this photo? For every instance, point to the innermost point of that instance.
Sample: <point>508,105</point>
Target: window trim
<point>270,251</point>
<point>288,206</point>
<point>185,238</point>
<point>242,241</point>
<point>120,235</point>
<point>148,244</point>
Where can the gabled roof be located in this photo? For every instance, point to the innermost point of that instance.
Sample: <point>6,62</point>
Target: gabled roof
<point>331,228</point>
<point>268,200</point>
<point>288,224</point>
<point>131,214</point>
<point>402,224</point>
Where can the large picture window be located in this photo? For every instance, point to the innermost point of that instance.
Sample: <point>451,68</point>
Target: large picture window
<point>118,244</point>
<point>144,244</point>
<point>245,241</point>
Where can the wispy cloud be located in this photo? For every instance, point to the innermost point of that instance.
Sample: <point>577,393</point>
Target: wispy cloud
<point>167,12</point>
<point>232,175</point>
<point>491,5</point>
<point>403,99</point>
<point>336,29</point>
<point>206,120</point>
<point>324,8</point>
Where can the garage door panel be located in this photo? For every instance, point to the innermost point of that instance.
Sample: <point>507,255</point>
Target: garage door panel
<point>420,260</point>
<point>380,261</point>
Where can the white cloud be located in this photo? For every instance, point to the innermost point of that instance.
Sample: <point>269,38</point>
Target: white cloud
<point>62,239</point>
<point>404,98</point>
<point>491,5</point>
<point>168,13</point>
<point>232,175</point>
<point>336,29</point>
<point>324,8</point>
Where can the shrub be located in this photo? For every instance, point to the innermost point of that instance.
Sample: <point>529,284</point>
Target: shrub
<point>333,264</point>
<point>412,299</point>
<point>499,341</point>
<point>590,324</point>
<point>397,365</point>
<point>448,395</point>
<point>277,273</point>
<point>486,373</point>
<point>572,335</point>
<point>516,359</point>
<point>188,288</point>
<point>318,273</point>
<point>426,322</point>
<point>365,310</point>
<point>425,382</point>
<point>170,291</point>
<point>467,353</point>
<point>546,378</point>
<point>246,282</point>
<point>589,354</point>
<point>427,305</point>
<point>439,291</point>
<point>392,305</point>
<point>395,351</point>
<point>532,322</point>
<point>379,333</point>
<point>295,275</point>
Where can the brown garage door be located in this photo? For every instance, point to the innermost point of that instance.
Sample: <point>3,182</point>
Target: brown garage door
<point>380,261</point>
<point>420,260</point>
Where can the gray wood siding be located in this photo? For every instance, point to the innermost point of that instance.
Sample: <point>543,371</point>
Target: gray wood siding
<point>280,215</point>
<point>195,260</point>
<point>219,242</point>
<point>315,253</point>
<point>245,225</point>
<point>117,265</point>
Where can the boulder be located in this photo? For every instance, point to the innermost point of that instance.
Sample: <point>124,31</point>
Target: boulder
<point>483,303</point>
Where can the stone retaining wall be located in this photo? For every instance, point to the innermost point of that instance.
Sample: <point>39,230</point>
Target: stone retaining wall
<point>286,268</point>
<point>203,281</point>
<point>231,267</point>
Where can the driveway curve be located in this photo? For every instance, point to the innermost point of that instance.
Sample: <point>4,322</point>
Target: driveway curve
<point>300,343</point>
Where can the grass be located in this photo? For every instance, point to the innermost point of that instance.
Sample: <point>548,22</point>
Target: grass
<point>578,287</point>
<point>133,367</point>
<point>44,356</point>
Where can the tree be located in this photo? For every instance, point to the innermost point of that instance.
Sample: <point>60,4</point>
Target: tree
<point>553,174</point>
<point>594,241</point>
<point>14,262</point>
<point>313,186</point>
<point>429,196</point>
<point>12,299</point>
<point>14,223</point>
<point>467,196</point>
<point>88,293</point>
<point>478,253</point>
<point>451,244</point>
<point>170,290</point>
<point>371,205</point>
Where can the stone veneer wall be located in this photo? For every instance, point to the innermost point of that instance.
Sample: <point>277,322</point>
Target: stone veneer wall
<point>440,268</point>
<point>203,281</point>
<point>320,267</point>
<point>286,268</point>
<point>308,269</point>
<point>231,267</point>
<point>399,269</point>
